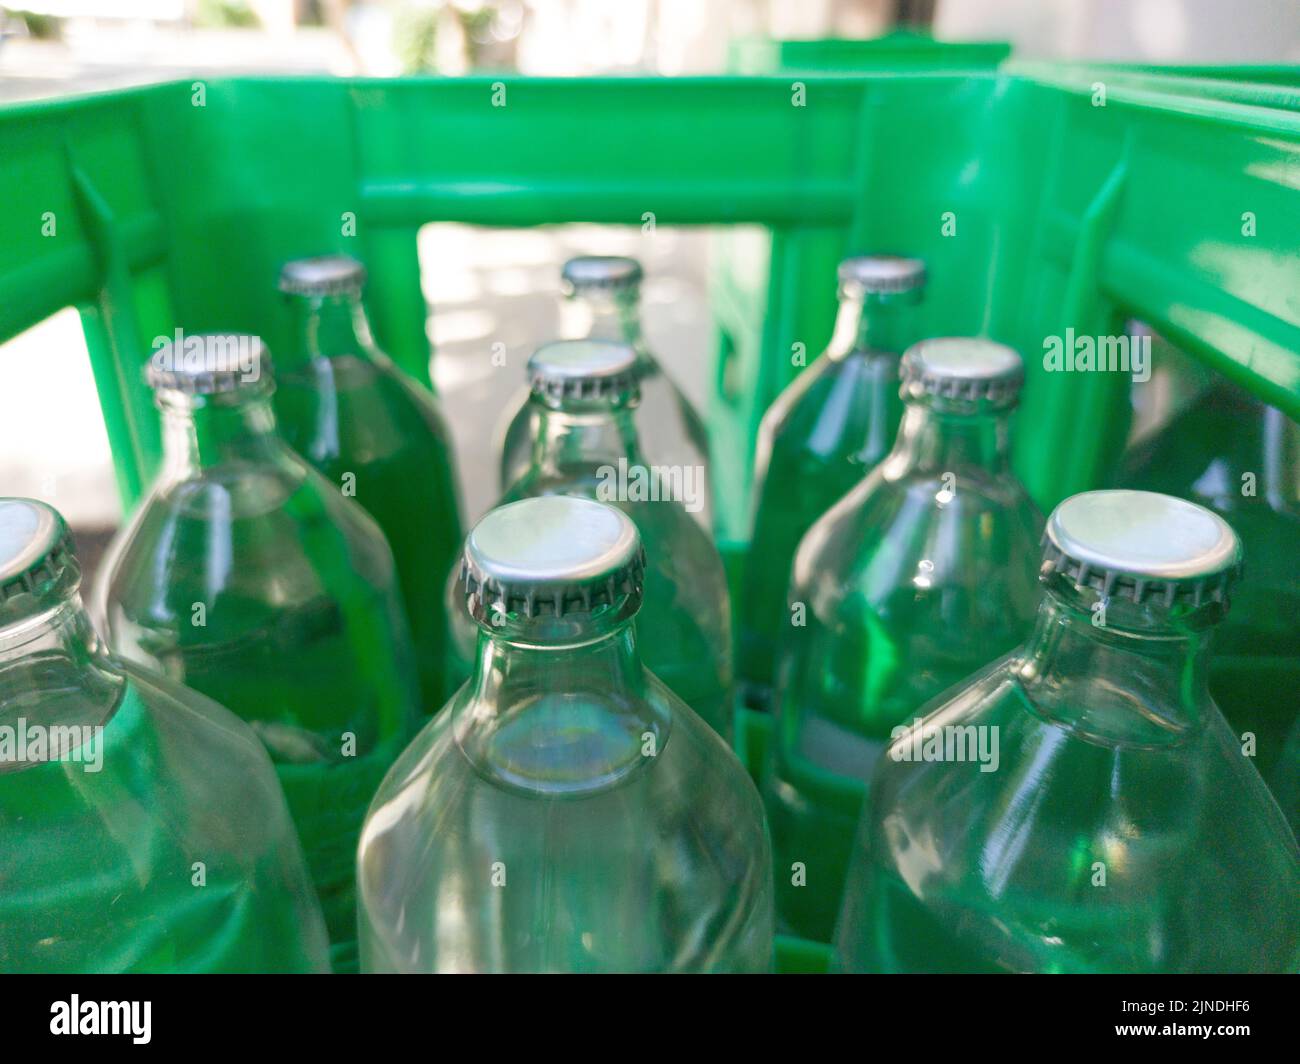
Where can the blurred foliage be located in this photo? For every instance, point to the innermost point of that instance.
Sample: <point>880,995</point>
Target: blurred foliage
<point>39,27</point>
<point>226,14</point>
<point>415,38</point>
<point>416,28</point>
<point>311,13</point>
<point>477,28</point>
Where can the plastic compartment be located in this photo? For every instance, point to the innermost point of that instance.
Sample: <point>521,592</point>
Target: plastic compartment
<point>1037,210</point>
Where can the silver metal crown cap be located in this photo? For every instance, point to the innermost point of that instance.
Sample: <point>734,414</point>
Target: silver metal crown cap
<point>556,555</point>
<point>1140,545</point>
<point>583,369</point>
<point>964,368</point>
<point>880,274</point>
<point>36,557</point>
<point>210,364</point>
<point>324,275</point>
<point>601,271</point>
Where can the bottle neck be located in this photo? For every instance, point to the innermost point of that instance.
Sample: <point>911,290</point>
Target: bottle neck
<point>602,315</point>
<point>1127,674</point>
<point>326,327</point>
<point>933,438</point>
<point>582,434</point>
<point>874,325</point>
<point>563,718</point>
<point>602,659</point>
<point>210,431</point>
<point>53,669</point>
<point>63,628</point>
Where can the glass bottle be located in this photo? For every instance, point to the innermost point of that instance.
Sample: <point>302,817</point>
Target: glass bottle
<point>1284,779</point>
<point>246,576</point>
<point>604,294</point>
<point>566,812</point>
<point>1240,458</point>
<point>141,826</point>
<point>1108,821</point>
<point>585,394</point>
<point>344,406</point>
<point>819,438</point>
<point>913,580</point>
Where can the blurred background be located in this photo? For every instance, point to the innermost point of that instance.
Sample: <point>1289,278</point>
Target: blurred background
<point>501,284</point>
<point>53,45</point>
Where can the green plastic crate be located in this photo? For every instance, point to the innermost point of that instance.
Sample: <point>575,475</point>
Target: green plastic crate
<point>172,205</point>
<point>894,52</point>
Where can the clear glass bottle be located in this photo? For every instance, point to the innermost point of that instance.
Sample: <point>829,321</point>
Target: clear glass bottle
<point>1241,458</point>
<point>343,405</point>
<point>1284,779</point>
<point>584,399</point>
<point>821,436</point>
<point>566,812</point>
<point>248,577</point>
<point>916,578</point>
<point>141,826</point>
<point>604,294</point>
<point>1116,826</point>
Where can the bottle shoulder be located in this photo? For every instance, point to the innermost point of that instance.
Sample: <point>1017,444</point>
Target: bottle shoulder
<point>830,397</point>
<point>227,747</point>
<point>227,491</point>
<point>892,525</point>
<point>349,412</point>
<point>244,527</point>
<point>565,793</point>
<point>595,747</point>
<point>188,750</point>
<point>180,796</point>
<point>991,809</point>
<point>1061,733</point>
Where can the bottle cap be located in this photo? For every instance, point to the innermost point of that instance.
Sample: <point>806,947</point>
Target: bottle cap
<point>556,555</point>
<point>601,272</point>
<point>864,275</point>
<point>38,563</point>
<point>210,364</point>
<point>583,369</point>
<point>324,275</point>
<point>962,368</point>
<point>1142,545</point>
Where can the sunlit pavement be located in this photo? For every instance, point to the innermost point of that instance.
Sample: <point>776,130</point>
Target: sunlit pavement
<point>490,286</point>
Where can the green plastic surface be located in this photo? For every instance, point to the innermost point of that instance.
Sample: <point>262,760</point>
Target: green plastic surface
<point>161,212</point>
<point>902,50</point>
<point>1176,202</point>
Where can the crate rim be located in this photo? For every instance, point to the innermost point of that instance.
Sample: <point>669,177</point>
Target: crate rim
<point>1218,99</point>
